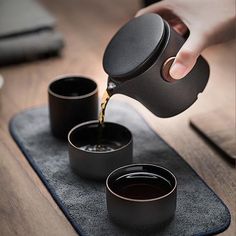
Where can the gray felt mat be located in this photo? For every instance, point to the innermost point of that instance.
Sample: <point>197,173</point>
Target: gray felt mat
<point>199,210</point>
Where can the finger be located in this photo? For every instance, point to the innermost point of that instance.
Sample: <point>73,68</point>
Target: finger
<point>187,56</point>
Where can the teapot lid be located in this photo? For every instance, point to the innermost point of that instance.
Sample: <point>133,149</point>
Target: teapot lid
<point>134,47</point>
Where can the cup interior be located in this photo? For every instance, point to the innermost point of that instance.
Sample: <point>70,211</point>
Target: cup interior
<point>141,182</point>
<point>93,137</point>
<point>73,86</point>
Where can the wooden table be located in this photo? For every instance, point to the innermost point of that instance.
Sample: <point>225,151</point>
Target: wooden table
<point>26,207</point>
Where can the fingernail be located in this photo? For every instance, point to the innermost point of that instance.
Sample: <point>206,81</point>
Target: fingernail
<point>177,71</point>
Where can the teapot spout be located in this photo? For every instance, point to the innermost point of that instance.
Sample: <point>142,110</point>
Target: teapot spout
<point>122,86</point>
<point>113,86</point>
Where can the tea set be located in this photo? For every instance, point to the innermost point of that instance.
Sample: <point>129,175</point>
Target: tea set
<point>137,61</point>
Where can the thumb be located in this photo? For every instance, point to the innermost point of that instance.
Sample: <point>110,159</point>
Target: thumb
<point>187,56</point>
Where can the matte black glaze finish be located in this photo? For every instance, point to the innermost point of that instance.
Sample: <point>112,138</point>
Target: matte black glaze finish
<point>133,48</point>
<point>72,100</point>
<point>98,165</point>
<point>142,80</point>
<point>141,214</point>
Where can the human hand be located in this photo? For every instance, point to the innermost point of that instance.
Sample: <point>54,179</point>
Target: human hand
<point>209,22</point>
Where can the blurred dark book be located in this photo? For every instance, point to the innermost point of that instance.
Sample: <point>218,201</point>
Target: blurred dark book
<point>149,2</point>
<point>27,32</point>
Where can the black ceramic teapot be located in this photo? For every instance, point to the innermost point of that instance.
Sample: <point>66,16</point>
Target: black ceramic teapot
<point>137,61</point>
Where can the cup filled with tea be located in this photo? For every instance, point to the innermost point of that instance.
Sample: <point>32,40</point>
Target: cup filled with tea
<point>141,196</point>
<point>95,150</point>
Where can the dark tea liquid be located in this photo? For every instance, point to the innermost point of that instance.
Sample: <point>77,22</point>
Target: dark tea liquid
<point>141,186</point>
<point>101,147</point>
<point>105,99</point>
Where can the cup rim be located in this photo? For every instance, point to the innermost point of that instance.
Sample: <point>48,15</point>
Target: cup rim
<point>96,121</point>
<point>67,76</point>
<point>141,200</point>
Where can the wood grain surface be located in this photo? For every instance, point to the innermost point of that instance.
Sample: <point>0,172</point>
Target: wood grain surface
<point>218,127</point>
<point>26,207</point>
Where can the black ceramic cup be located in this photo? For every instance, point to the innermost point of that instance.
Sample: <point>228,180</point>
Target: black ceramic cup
<point>95,150</point>
<point>141,196</point>
<point>72,100</point>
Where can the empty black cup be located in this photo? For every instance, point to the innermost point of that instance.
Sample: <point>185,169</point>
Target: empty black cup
<point>141,196</point>
<point>72,100</point>
<point>96,150</point>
